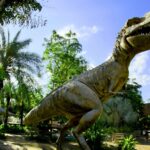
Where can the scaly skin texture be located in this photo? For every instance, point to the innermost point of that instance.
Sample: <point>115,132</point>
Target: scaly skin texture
<point>80,100</point>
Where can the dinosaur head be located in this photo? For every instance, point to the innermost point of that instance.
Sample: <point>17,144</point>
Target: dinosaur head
<point>136,34</point>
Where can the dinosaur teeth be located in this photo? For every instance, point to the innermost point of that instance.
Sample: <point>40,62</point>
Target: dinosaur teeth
<point>141,31</point>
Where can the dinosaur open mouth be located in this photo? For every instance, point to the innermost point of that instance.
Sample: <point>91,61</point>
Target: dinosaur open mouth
<point>141,31</point>
<point>140,38</point>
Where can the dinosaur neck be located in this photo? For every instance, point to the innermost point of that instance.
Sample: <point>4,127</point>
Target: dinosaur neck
<point>123,56</point>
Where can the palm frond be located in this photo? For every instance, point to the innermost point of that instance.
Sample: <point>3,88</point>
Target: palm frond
<point>14,47</point>
<point>24,66</point>
<point>23,74</point>
<point>32,59</point>
<point>15,39</point>
<point>23,44</point>
<point>17,63</point>
<point>2,33</point>
<point>29,57</point>
<point>8,37</point>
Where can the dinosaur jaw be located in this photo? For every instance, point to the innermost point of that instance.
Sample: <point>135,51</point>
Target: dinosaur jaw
<point>139,42</point>
<point>139,38</point>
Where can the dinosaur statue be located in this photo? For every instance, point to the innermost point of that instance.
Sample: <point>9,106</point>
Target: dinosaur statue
<point>80,100</point>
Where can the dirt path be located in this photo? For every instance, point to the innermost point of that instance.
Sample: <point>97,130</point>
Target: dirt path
<point>18,142</point>
<point>140,146</point>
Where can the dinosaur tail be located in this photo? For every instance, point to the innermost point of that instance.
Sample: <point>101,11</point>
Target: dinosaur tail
<point>46,109</point>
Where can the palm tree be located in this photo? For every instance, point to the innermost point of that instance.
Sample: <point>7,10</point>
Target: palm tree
<point>7,93</point>
<point>24,93</point>
<point>14,62</point>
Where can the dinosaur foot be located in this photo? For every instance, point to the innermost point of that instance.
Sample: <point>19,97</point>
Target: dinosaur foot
<point>81,141</point>
<point>59,146</point>
<point>60,141</point>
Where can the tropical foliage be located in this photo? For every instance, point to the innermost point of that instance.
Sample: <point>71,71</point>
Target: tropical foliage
<point>26,96</point>
<point>127,143</point>
<point>17,67</point>
<point>132,92</point>
<point>63,58</point>
<point>15,62</point>
<point>18,11</point>
<point>95,136</point>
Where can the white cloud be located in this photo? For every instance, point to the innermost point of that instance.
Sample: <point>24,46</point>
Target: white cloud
<point>108,57</point>
<point>83,53</point>
<point>138,69</point>
<point>81,32</point>
<point>91,66</point>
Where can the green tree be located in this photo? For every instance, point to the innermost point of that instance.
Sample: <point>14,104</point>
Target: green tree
<point>63,59</point>
<point>7,93</point>
<point>132,92</point>
<point>16,63</point>
<point>18,11</point>
<point>24,94</point>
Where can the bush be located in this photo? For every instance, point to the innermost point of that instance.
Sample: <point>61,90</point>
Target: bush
<point>2,131</point>
<point>127,143</point>
<point>125,129</point>
<point>12,129</point>
<point>2,136</point>
<point>144,122</point>
<point>95,137</point>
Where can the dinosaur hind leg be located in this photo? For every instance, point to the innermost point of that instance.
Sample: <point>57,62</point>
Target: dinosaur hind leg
<point>86,121</point>
<point>71,123</point>
<point>81,100</point>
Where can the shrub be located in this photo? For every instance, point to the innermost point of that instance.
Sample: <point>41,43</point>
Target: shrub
<point>95,137</point>
<point>127,143</point>
<point>2,136</point>
<point>12,129</point>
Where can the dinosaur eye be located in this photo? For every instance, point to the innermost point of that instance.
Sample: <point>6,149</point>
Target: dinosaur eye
<point>134,21</point>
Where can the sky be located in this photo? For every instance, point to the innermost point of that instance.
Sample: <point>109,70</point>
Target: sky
<point>96,23</point>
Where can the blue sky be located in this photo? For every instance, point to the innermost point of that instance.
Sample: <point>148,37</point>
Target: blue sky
<point>97,24</point>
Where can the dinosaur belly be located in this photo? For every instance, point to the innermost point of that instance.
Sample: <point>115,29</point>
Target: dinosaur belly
<point>115,89</point>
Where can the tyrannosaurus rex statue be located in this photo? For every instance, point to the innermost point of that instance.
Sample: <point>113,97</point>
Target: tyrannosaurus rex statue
<point>80,100</point>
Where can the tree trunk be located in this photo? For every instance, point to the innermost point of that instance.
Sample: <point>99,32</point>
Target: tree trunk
<point>6,113</point>
<point>1,84</point>
<point>2,2</point>
<point>1,87</point>
<point>21,113</point>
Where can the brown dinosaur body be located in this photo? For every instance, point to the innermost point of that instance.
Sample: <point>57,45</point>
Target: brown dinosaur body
<point>80,100</point>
